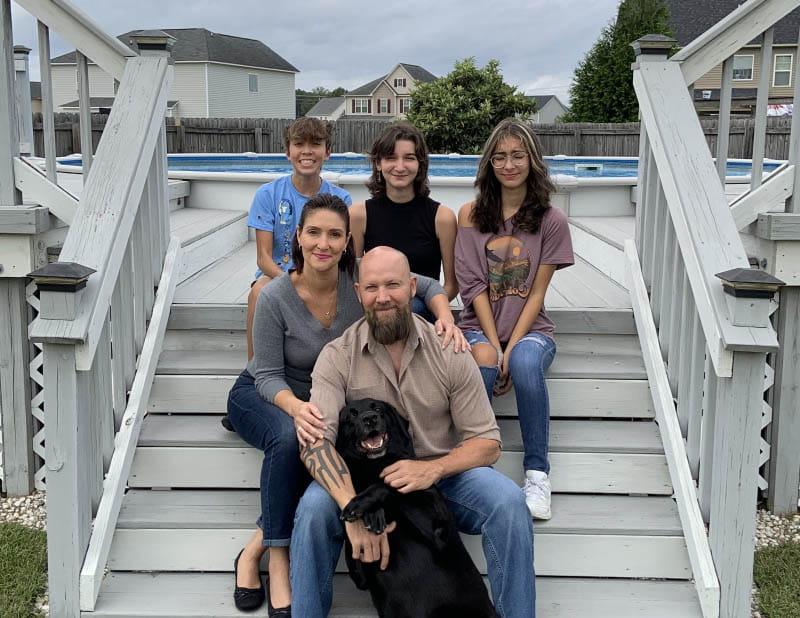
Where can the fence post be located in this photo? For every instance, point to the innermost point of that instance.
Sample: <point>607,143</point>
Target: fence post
<point>737,432</point>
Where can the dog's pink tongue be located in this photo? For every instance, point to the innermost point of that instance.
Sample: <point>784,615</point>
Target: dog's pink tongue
<point>373,442</point>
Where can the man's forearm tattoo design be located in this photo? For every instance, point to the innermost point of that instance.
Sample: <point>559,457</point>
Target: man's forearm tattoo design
<point>325,465</point>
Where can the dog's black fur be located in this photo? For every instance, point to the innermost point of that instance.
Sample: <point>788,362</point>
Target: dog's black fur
<point>430,573</point>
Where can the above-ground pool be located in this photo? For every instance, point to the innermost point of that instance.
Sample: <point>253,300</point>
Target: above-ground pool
<point>441,165</point>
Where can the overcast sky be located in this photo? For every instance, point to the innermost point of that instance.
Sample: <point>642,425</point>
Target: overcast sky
<point>338,43</point>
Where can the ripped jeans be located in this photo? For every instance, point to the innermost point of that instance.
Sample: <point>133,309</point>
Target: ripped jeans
<point>530,359</point>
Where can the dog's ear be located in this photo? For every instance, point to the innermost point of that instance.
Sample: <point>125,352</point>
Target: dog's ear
<point>344,437</point>
<point>397,425</point>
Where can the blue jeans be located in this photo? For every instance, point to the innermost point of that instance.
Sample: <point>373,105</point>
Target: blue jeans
<point>530,360</point>
<point>419,307</point>
<point>482,500</point>
<point>283,476</point>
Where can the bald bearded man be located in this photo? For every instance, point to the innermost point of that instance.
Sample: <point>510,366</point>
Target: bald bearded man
<point>395,356</point>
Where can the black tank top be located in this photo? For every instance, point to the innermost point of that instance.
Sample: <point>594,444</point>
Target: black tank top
<point>410,228</point>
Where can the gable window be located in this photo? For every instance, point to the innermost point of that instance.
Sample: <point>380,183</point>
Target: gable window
<point>253,82</point>
<point>743,68</point>
<point>782,73</point>
<point>362,106</point>
<point>384,106</point>
<point>405,105</point>
<point>400,82</point>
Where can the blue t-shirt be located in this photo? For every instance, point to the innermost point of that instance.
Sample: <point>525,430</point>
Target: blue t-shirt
<point>276,208</point>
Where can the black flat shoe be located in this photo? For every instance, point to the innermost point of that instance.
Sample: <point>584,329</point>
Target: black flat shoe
<point>226,423</point>
<point>279,612</point>
<point>246,599</point>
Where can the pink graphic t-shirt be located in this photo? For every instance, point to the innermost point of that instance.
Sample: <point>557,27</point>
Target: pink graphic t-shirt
<point>504,265</point>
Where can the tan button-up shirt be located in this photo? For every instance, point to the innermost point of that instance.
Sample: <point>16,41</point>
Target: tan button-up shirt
<point>439,392</point>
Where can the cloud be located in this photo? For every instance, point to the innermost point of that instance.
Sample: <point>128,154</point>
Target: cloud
<point>336,43</point>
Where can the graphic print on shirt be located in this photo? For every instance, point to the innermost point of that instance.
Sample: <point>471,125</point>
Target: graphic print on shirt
<point>509,265</point>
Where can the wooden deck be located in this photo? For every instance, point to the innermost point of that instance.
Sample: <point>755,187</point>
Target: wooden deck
<point>228,282</point>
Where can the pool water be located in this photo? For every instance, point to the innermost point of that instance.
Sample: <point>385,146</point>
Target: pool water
<point>441,165</point>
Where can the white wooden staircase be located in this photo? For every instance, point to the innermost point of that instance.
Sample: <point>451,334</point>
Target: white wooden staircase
<point>615,545</point>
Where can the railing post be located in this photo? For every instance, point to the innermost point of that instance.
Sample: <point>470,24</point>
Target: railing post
<point>14,377</point>
<point>23,94</point>
<point>68,446</point>
<point>649,48</point>
<point>737,430</point>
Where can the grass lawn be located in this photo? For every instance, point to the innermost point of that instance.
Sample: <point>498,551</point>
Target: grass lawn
<point>777,575</point>
<point>23,569</point>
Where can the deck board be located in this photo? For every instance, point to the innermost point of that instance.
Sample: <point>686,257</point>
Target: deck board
<point>598,436</point>
<point>192,224</point>
<point>228,281</point>
<point>578,356</point>
<point>191,394</point>
<point>239,468</point>
<point>572,514</point>
<point>184,595</point>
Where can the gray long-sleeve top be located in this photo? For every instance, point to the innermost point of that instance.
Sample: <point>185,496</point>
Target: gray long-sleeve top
<point>287,338</point>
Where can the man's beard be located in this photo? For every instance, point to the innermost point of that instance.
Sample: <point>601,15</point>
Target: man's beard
<point>392,328</point>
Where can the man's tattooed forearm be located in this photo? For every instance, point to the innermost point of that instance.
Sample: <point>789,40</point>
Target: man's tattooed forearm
<point>325,465</point>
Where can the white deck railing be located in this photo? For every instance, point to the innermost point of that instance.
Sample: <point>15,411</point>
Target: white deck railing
<point>713,344</point>
<point>100,343</point>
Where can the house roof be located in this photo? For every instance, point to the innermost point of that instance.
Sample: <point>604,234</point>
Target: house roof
<point>104,102</point>
<point>417,73</point>
<point>690,18</point>
<point>201,45</point>
<point>326,106</point>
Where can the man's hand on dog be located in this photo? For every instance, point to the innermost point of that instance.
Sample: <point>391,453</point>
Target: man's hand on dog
<point>367,546</point>
<point>409,475</point>
<point>308,423</point>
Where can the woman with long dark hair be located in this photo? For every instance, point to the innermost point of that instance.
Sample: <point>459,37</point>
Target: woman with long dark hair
<point>510,242</point>
<point>400,213</point>
<point>296,315</point>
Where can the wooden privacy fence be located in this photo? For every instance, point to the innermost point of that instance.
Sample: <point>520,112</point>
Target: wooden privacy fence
<point>196,135</point>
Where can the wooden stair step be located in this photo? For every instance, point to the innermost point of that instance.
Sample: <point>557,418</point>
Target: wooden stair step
<point>231,509</point>
<point>184,595</point>
<point>580,555</point>
<point>239,468</point>
<point>569,398</point>
<point>579,356</point>
<point>596,436</point>
<point>186,315</point>
<point>193,224</point>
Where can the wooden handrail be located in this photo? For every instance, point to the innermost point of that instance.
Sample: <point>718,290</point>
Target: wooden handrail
<point>729,35</point>
<point>708,239</point>
<point>102,226</point>
<point>705,577</point>
<point>80,30</point>
<point>128,436</point>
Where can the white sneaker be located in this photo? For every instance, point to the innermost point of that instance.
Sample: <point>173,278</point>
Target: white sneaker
<point>537,494</point>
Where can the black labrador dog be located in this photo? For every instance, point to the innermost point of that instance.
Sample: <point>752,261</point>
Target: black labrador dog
<point>430,572</point>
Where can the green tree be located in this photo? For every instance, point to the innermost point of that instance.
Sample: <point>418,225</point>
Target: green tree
<point>602,87</point>
<point>458,111</point>
<point>306,99</point>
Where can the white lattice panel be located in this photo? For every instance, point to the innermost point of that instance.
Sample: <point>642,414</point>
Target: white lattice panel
<point>37,395</point>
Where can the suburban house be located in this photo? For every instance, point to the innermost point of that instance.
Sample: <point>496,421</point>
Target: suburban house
<point>549,108</point>
<point>216,76</point>
<point>387,97</point>
<point>36,97</point>
<point>329,108</point>
<point>690,18</point>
